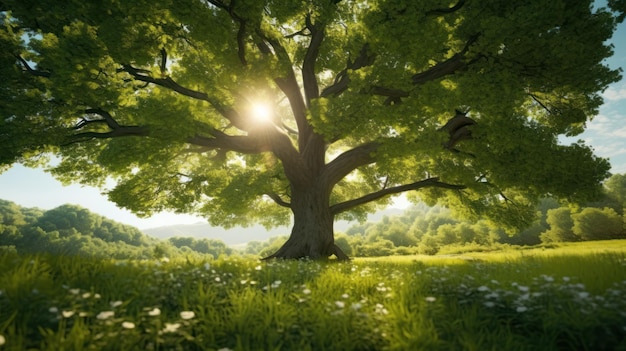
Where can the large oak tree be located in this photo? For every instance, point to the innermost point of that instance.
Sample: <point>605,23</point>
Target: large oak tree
<point>250,110</point>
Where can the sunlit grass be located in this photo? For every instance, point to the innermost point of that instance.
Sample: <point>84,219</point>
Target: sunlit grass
<point>563,298</point>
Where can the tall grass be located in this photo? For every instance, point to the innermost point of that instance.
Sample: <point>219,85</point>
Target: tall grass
<point>563,298</point>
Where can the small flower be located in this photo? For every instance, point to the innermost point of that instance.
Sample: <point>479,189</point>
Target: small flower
<point>340,304</point>
<point>128,325</point>
<point>356,306</point>
<point>258,268</point>
<point>483,288</point>
<point>583,294</point>
<point>74,291</point>
<point>115,303</point>
<point>53,310</point>
<point>489,304</point>
<point>171,327</point>
<point>154,312</point>
<point>523,288</point>
<point>207,266</point>
<point>566,279</point>
<point>187,315</point>
<point>306,291</point>
<point>86,295</point>
<point>2,340</point>
<point>345,296</point>
<point>431,299</point>
<point>105,315</point>
<point>521,309</point>
<point>67,314</point>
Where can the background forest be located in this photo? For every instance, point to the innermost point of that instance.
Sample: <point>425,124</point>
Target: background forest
<point>73,230</point>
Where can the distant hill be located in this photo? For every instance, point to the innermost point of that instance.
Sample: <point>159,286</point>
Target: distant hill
<point>240,235</point>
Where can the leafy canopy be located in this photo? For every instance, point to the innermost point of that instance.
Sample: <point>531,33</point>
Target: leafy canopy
<point>160,96</point>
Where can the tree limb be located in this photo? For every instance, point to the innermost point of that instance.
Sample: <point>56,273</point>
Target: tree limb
<point>350,160</point>
<point>123,131</point>
<point>439,12</point>
<point>342,80</point>
<point>167,82</point>
<point>277,199</point>
<point>309,80</point>
<point>429,182</point>
<point>110,121</point>
<point>450,66</point>
<point>32,71</point>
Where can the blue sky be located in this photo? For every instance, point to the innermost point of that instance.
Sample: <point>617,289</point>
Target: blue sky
<point>35,188</point>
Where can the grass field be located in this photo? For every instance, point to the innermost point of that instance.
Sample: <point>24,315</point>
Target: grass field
<point>570,297</point>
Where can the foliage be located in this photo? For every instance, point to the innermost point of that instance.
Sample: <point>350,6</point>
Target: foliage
<point>73,230</point>
<point>548,299</point>
<point>161,98</point>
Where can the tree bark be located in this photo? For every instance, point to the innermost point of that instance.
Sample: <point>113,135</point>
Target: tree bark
<point>312,235</point>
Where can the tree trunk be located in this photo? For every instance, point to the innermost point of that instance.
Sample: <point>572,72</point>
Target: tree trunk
<point>312,234</point>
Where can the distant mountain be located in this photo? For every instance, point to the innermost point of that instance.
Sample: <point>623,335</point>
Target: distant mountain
<point>241,235</point>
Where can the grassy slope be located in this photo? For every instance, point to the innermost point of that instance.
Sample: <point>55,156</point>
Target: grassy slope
<point>566,298</point>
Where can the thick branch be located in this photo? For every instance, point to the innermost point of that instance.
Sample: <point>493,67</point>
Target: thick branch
<point>277,199</point>
<point>350,160</point>
<point>289,86</point>
<point>309,80</point>
<point>342,80</point>
<point>450,66</point>
<point>123,131</point>
<point>110,121</point>
<point>429,182</point>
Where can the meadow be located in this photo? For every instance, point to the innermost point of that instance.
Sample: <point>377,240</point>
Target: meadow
<point>568,297</point>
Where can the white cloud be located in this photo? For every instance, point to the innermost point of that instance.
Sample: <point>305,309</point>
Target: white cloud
<point>613,94</point>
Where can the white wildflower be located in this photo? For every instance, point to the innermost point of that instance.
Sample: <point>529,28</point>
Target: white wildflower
<point>523,288</point>
<point>154,312</point>
<point>356,306</point>
<point>115,303</point>
<point>105,315</point>
<point>483,288</point>
<point>171,327</point>
<point>431,299</point>
<point>67,314</point>
<point>53,310</point>
<point>345,296</point>
<point>128,325</point>
<point>521,309</point>
<point>489,304</point>
<point>2,340</point>
<point>187,315</point>
<point>340,304</point>
<point>306,291</point>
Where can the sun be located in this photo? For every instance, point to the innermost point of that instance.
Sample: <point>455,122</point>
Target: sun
<point>261,112</point>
